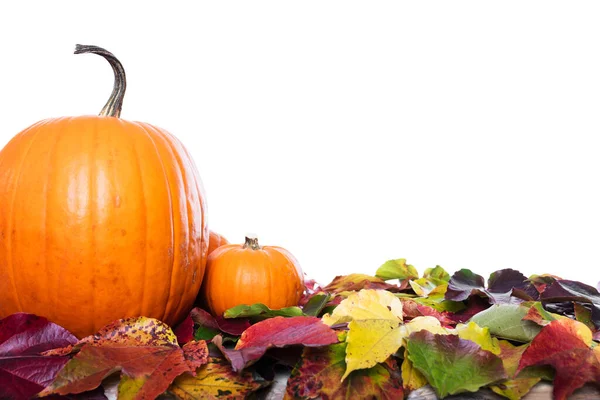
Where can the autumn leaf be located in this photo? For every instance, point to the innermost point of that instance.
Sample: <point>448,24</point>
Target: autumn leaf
<point>209,326</point>
<point>519,385</point>
<point>316,304</point>
<point>465,283</point>
<point>451,364</point>
<point>276,332</point>
<point>144,350</point>
<point>397,269</point>
<point>319,375</point>
<point>374,332</point>
<point>23,370</point>
<point>356,282</point>
<point>479,335</point>
<point>185,330</point>
<point>566,290</point>
<point>412,378</point>
<point>412,309</point>
<point>195,354</point>
<point>539,315</point>
<point>261,310</point>
<point>216,380</point>
<point>506,321</point>
<point>566,345</point>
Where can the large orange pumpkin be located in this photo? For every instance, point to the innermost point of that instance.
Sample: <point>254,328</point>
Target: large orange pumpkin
<point>248,274</point>
<point>100,219</point>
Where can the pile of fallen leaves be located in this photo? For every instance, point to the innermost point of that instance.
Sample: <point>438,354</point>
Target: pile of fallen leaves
<point>360,336</point>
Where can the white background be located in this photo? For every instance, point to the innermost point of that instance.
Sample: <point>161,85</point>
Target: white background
<point>463,134</point>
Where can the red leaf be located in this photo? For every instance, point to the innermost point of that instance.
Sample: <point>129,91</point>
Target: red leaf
<point>565,345</point>
<point>277,332</point>
<point>195,354</point>
<point>144,350</point>
<point>412,309</point>
<point>185,331</point>
<point>232,326</point>
<point>23,370</point>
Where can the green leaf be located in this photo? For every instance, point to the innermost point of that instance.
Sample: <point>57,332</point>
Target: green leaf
<point>261,310</point>
<point>451,364</point>
<point>506,321</point>
<point>316,304</point>
<point>438,273</point>
<point>205,333</point>
<point>397,269</point>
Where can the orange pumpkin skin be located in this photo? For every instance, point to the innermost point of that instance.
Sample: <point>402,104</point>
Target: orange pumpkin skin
<point>215,241</point>
<point>100,219</point>
<point>239,274</point>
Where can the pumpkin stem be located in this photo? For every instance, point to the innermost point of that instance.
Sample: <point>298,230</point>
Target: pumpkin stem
<point>252,242</point>
<point>113,106</point>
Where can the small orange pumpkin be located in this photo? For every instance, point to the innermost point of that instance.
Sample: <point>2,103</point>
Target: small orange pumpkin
<point>249,273</point>
<point>215,241</point>
<point>100,219</point>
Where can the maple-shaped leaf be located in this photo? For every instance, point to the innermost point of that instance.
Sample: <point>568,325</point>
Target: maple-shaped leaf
<point>451,364</point>
<point>209,326</point>
<point>374,332</point>
<point>23,370</point>
<point>501,284</point>
<point>262,311</point>
<point>356,282</point>
<point>276,332</point>
<point>397,269</point>
<point>566,290</point>
<point>506,321</point>
<point>566,345</point>
<point>519,385</point>
<point>318,375</point>
<point>144,350</point>
<point>216,380</point>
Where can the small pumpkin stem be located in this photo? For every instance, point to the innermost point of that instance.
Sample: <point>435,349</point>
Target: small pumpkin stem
<point>252,242</point>
<point>113,106</point>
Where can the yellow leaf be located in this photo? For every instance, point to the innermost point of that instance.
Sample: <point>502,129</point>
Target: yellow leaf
<point>371,342</point>
<point>374,333</point>
<point>364,305</point>
<point>479,335</point>
<point>412,379</point>
<point>427,323</point>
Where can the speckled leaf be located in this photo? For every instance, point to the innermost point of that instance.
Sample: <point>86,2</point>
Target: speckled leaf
<point>144,350</point>
<point>451,364</point>
<point>319,375</point>
<point>567,346</point>
<point>261,310</point>
<point>216,380</point>
<point>397,269</point>
<point>23,370</point>
<point>506,321</point>
<point>195,354</point>
<point>276,332</point>
<point>356,282</point>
